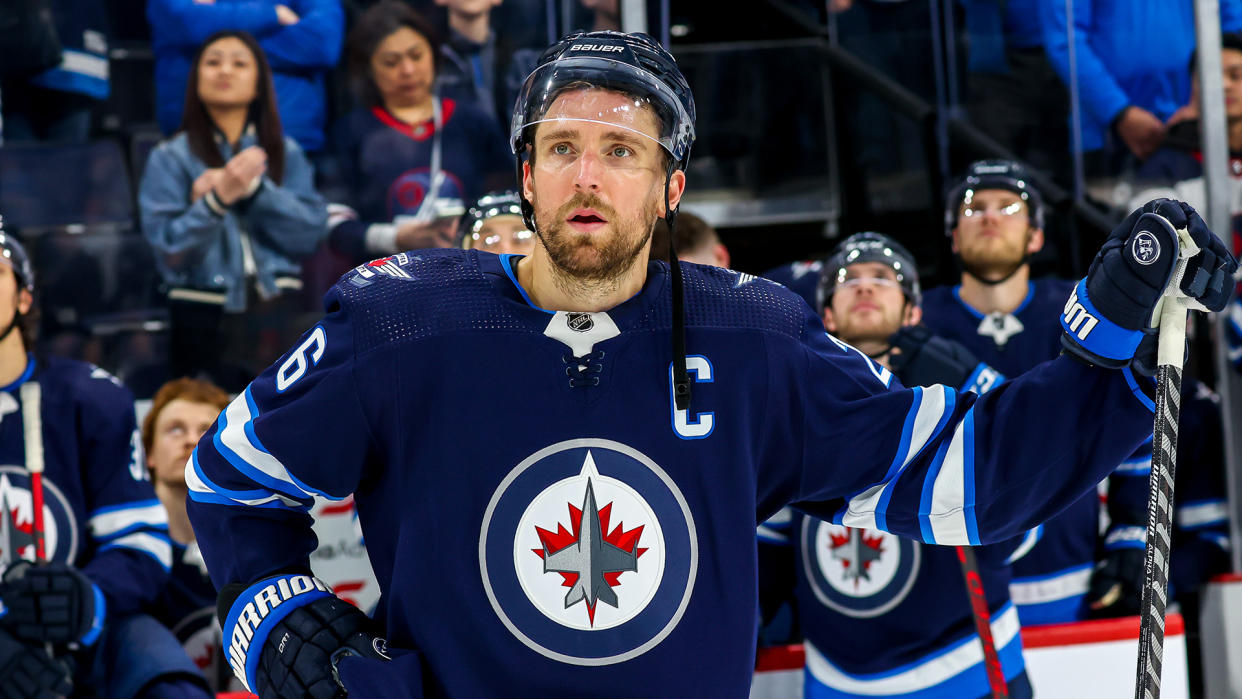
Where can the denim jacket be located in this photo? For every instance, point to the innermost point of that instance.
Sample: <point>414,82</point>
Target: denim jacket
<point>200,252</point>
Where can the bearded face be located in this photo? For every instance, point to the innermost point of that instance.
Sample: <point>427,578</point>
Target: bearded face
<point>994,235</point>
<point>597,186</point>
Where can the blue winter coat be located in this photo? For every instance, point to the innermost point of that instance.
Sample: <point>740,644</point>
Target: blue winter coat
<point>300,55</point>
<point>198,249</point>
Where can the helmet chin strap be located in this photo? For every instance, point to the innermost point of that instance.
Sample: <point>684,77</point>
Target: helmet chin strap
<point>681,378</point>
<point>17,316</point>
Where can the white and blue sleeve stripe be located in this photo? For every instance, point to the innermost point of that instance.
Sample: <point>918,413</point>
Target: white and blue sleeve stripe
<point>202,489</point>
<point>236,441</point>
<point>947,506</point>
<point>926,418</point>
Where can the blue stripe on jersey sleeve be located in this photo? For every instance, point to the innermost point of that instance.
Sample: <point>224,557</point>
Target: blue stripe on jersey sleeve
<point>968,477</point>
<point>258,445</point>
<point>220,495</point>
<point>929,482</point>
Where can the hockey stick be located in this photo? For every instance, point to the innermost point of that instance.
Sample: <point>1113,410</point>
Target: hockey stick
<point>32,424</point>
<point>1173,308</point>
<point>983,621</point>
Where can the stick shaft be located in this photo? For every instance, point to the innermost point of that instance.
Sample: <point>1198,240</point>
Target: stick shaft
<point>1159,531</point>
<point>983,621</point>
<point>32,428</point>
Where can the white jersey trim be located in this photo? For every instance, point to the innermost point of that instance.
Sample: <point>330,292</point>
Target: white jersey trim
<point>934,671</point>
<point>1071,583</point>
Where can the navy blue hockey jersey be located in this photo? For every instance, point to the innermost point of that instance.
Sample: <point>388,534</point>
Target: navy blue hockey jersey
<point>884,616</point>
<point>100,513</point>
<point>543,521</point>
<point>802,278</point>
<point>888,617</point>
<point>1053,569</point>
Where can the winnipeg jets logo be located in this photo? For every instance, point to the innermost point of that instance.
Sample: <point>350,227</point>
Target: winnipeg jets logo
<point>60,534</point>
<point>590,555</point>
<point>590,559</point>
<point>1000,327</point>
<point>856,549</point>
<point>1145,248</point>
<point>857,572</point>
<point>588,552</point>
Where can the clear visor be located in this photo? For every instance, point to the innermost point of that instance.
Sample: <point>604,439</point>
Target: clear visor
<point>603,91</point>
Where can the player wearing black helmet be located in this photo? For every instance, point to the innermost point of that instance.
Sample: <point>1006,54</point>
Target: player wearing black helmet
<point>494,223</point>
<point>599,541</point>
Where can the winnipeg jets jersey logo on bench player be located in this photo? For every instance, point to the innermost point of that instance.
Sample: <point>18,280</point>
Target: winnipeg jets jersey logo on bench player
<point>858,572</point>
<point>588,552</point>
<point>17,520</point>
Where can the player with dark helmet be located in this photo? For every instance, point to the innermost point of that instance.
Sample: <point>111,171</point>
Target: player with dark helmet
<point>476,572</point>
<point>869,297</point>
<point>870,247</point>
<point>14,255</point>
<point>869,267</point>
<point>495,223</point>
<point>638,67</point>
<point>995,217</point>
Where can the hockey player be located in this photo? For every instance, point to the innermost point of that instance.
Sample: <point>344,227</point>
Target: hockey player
<point>995,218</point>
<point>181,412</point>
<point>494,223</point>
<point>600,541</point>
<point>83,541</point>
<point>884,616</point>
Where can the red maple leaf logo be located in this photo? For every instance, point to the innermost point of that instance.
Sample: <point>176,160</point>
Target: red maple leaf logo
<point>620,537</point>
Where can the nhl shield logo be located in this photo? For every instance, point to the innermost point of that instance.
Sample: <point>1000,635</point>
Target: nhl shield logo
<point>858,572</point>
<point>588,552</point>
<point>579,322</point>
<point>17,520</point>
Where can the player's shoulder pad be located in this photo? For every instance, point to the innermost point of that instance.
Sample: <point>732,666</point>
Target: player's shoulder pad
<point>724,298</point>
<point>82,382</point>
<point>417,294</point>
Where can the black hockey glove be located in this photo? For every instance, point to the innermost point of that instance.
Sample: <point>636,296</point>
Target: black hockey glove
<point>51,603</point>
<point>28,671</point>
<point>923,358</point>
<point>284,636</point>
<point>1116,584</point>
<point>1108,319</point>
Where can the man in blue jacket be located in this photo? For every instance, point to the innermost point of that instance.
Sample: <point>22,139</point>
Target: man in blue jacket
<point>302,40</point>
<point>1132,63</point>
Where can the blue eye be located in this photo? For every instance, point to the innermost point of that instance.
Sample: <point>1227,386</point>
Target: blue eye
<point>561,149</point>
<point>622,152</point>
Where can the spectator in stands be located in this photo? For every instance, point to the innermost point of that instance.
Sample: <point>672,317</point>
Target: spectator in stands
<point>697,242</point>
<point>1014,95</point>
<point>181,412</point>
<point>229,207</point>
<point>495,224</point>
<point>408,159</point>
<point>478,63</point>
<point>55,104</point>
<point>301,39</point>
<point>1176,170</point>
<point>1126,93</point>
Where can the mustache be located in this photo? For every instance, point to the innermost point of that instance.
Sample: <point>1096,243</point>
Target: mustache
<point>585,201</point>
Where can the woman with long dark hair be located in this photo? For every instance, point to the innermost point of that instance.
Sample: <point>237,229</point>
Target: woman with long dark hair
<point>229,206</point>
<point>408,160</point>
